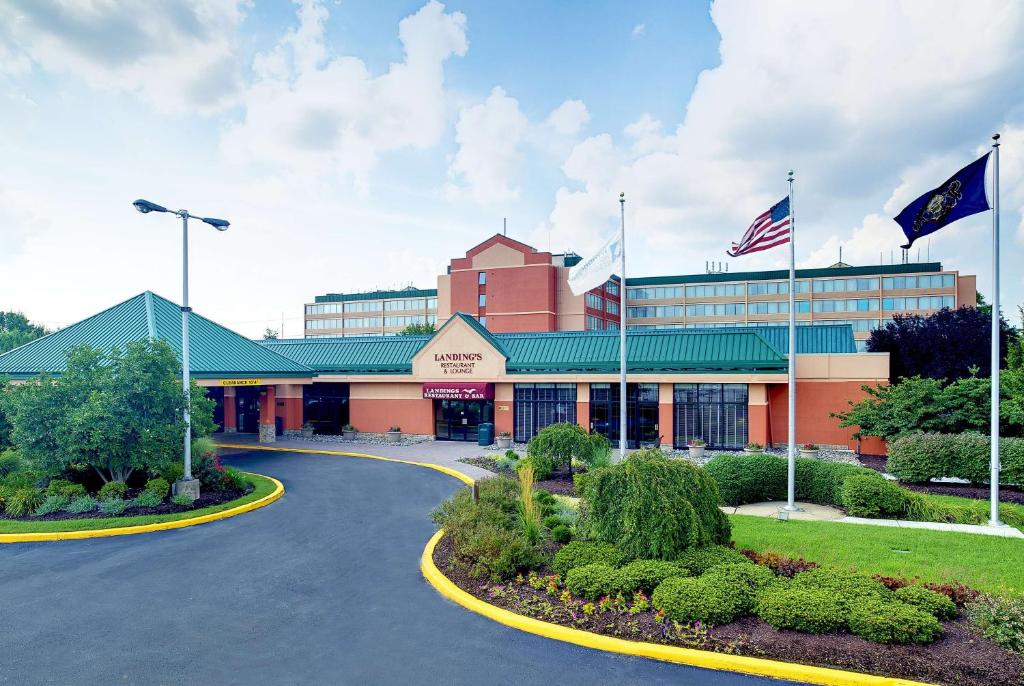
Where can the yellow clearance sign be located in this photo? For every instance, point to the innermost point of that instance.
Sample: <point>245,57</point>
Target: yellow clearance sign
<point>241,382</point>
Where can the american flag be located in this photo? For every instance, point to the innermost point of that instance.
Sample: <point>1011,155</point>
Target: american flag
<point>770,229</point>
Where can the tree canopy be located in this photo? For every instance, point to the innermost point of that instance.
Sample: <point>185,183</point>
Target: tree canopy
<point>950,344</point>
<point>424,329</point>
<point>15,330</point>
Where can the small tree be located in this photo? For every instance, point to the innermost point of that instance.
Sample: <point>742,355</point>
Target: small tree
<point>556,445</point>
<point>15,330</point>
<point>270,334</point>
<point>113,413</point>
<point>422,329</point>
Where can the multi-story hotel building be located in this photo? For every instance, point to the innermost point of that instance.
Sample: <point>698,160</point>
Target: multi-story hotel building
<point>510,287</point>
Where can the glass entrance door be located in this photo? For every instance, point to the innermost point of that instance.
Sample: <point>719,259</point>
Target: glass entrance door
<point>459,420</point>
<point>642,428</point>
<point>247,404</point>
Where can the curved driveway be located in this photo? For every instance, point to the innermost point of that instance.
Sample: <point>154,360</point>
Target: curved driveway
<point>321,587</point>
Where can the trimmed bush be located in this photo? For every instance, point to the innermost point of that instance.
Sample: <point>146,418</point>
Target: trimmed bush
<point>561,534</point>
<point>234,479</point>
<point>183,499</point>
<point>872,496</point>
<point>920,457</point>
<point>158,487</point>
<point>1000,620</point>
<point>65,488</point>
<point>10,462</point>
<point>646,575</point>
<point>651,507</point>
<point>113,490</point>
<point>51,504</point>
<point>810,610</point>
<point>696,561</point>
<point>883,622</point>
<point>743,582</point>
<point>23,501</point>
<point>112,506</point>
<point>551,521</point>
<point>746,479</point>
<point>937,604</point>
<point>592,581</point>
<point>845,587</point>
<point>556,445</point>
<point>689,599</point>
<point>820,481</point>
<point>146,499</point>
<point>579,553</point>
<point>85,503</point>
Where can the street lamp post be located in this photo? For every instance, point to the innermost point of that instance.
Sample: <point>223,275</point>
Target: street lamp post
<point>145,207</point>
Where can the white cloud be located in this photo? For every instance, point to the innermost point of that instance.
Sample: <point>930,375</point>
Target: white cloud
<point>178,55</point>
<point>638,30</point>
<point>323,115</point>
<point>568,118</point>
<point>862,94</point>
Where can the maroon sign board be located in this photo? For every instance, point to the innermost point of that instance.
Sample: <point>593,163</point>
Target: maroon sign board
<point>458,391</point>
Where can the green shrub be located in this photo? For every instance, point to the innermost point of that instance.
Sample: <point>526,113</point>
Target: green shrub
<point>846,587</point>
<point>651,507</point>
<point>742,582</point>
<point>112,506</point>
<point>551,521</point>
<point>890,622</point>
<point>592,581</point>
<point>234,479</point>
<point>206,467</point>
<point>580,553</point>
<point>146,499</point>
<point>85,503</point>
<point>646,575</point>
<point>172,471</point>
<point>52,503</point>
<point>745,479</point>
<point>23,501</point>
<point>182,499</point>
<point>937,604</point>
<point>810,610</point>
<point>65,488</point>
<point>689,599</point>
<point>561,534</point>
<point>113,490</point>
<point>696,561</point>
<point>920,457</point>
<point>509,460</point>
<point>556,445</point>
<point>10,462</point>
<point>864,495</point>
<point>1000,620</point>
<point>820,481</point>
<point>158,487</point>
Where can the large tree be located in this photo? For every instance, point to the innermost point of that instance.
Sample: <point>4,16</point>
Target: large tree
<point>949,345</point>
<point>15,330</point>
<point>113,413</point>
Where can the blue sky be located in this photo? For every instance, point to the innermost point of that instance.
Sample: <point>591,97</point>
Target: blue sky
<point>356,145</point>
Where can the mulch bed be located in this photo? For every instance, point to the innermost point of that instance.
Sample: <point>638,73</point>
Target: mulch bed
<point>960,657</point>
<point>560,482</point>
<point>1007,494</point>
<point>206,499</point>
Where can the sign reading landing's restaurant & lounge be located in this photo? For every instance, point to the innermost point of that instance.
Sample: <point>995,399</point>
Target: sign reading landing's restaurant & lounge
<point>455,364</point>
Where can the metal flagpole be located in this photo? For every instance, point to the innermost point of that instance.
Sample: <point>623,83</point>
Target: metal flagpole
<point>622,329</point>
<point>994,428</point>
<point>791,478</point>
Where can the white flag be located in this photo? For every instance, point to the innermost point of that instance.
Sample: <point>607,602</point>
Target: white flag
<point>594,271</point>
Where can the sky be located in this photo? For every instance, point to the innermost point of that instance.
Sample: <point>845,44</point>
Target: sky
<point>362,145</point>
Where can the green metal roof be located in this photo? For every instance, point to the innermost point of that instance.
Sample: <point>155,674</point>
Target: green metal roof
<point>214,351</point>
<point>815,339</point>
<point>772,275</point>
<point>353,354</point>
<point>377,295</point>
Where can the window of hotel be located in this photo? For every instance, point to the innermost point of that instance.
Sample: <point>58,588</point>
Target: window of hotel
<point>850,305</point>
<point>720,290</point>
<point>669,293</point>
<point>364,323</point>
<point>323,323</point>
<point>405,321</point>
<point>650,311</point>
<point>611,288</point>
<point>611,326</point>
<point>483,322</point>
<point>896,283</point>
<point>769,307</point>
<point>611,307</point>
<point>842,285</point>
<point>364,306</point>
<point>715,413</point>
<point>925,302</point>
<point>404,305</point>
<point>481,278</point>
<point>768,288</point>
<point>482,300</point>
<point>431,303</point>
<point>329,308</point>
<point>594,323</point>
<point>541,404</point>
<point>595,302</point>
<point>861,325</point>
<point>715,310</point>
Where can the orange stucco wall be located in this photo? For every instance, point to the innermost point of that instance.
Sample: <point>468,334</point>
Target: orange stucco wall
<point>583,414</point>
<point>268,406</point>
<point>290,412</point>
<point>230,411</point>
<point>414,416</point>
<point>815,400</point>
<point>758,426</point>
<point>665,419</point>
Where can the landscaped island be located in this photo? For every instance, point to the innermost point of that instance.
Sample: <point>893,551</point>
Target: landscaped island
<point>646,554</point>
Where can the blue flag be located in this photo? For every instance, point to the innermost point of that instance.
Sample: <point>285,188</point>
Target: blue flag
<point>961,195</point>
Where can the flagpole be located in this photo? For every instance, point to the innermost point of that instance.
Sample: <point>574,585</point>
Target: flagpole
<point>622,330</point>
<point>994,421</point>
<point>791,476</point>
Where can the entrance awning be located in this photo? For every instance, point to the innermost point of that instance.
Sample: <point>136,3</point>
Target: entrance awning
<point>459,391</point>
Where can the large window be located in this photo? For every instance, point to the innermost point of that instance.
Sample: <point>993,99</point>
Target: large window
<point>482,300</point>
<point>715,310</point>
<point>849,305</point>
<point>652,311</point>
<point>925,302</point>
<point>364,306</point>
<point>409,320</point>
<point>325,406</point>
<point>769,307</point>
<point>541,404</point>
<point>843,285</point>
<point>713,412</point>
<point>611,288</point>
<point>897,283</point>
<point>481,278</point>
<point>719,290</point>
<point>611,307</point>
<point>327,308</point>
<point>405,305</point>
<point>667,293</point>
<point>594,323</point>
<point>595,302</point>
<point>364,322</point>
<point>323,323</point>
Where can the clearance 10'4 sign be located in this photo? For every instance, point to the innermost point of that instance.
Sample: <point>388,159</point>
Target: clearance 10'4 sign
<point>457,364</point>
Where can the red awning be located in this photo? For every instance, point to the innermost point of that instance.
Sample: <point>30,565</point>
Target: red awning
<point>459,391</point>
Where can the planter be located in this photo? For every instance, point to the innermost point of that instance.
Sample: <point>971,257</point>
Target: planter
<point>751,451</point>
<point>349,435</point>
<point>307,433</point>
<point>504,442</point>
<point>813,454</point>
<point>697,451</point>
<point>393,436</point>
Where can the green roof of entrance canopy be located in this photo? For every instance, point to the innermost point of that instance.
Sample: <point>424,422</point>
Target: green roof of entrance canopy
<point>214,352</point>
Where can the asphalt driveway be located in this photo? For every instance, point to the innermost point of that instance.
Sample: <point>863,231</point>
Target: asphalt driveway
<point>321,587</point>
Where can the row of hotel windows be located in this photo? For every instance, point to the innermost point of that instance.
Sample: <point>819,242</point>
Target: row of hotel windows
<point>596,302</point>
<point>369,322</point>
<point>373,306</point>
<point>782,287</point>
<point>933,302</point>
<point>597,324</point>
<point>859,325</point>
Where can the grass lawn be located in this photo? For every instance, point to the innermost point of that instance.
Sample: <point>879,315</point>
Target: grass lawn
<point>262,487</point>
<point>987,563</point>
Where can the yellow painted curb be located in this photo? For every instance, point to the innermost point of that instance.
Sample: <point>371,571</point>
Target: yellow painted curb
<point>464,478</point>
<point>146,528</point>
<point>683,656</point>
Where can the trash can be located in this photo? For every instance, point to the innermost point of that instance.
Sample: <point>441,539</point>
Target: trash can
<point>485,434</point>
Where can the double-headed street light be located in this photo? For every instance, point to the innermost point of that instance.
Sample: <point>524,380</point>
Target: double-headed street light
<point>145,207</point>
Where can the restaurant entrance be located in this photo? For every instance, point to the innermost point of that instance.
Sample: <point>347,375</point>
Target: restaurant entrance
<point>460,420</point>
